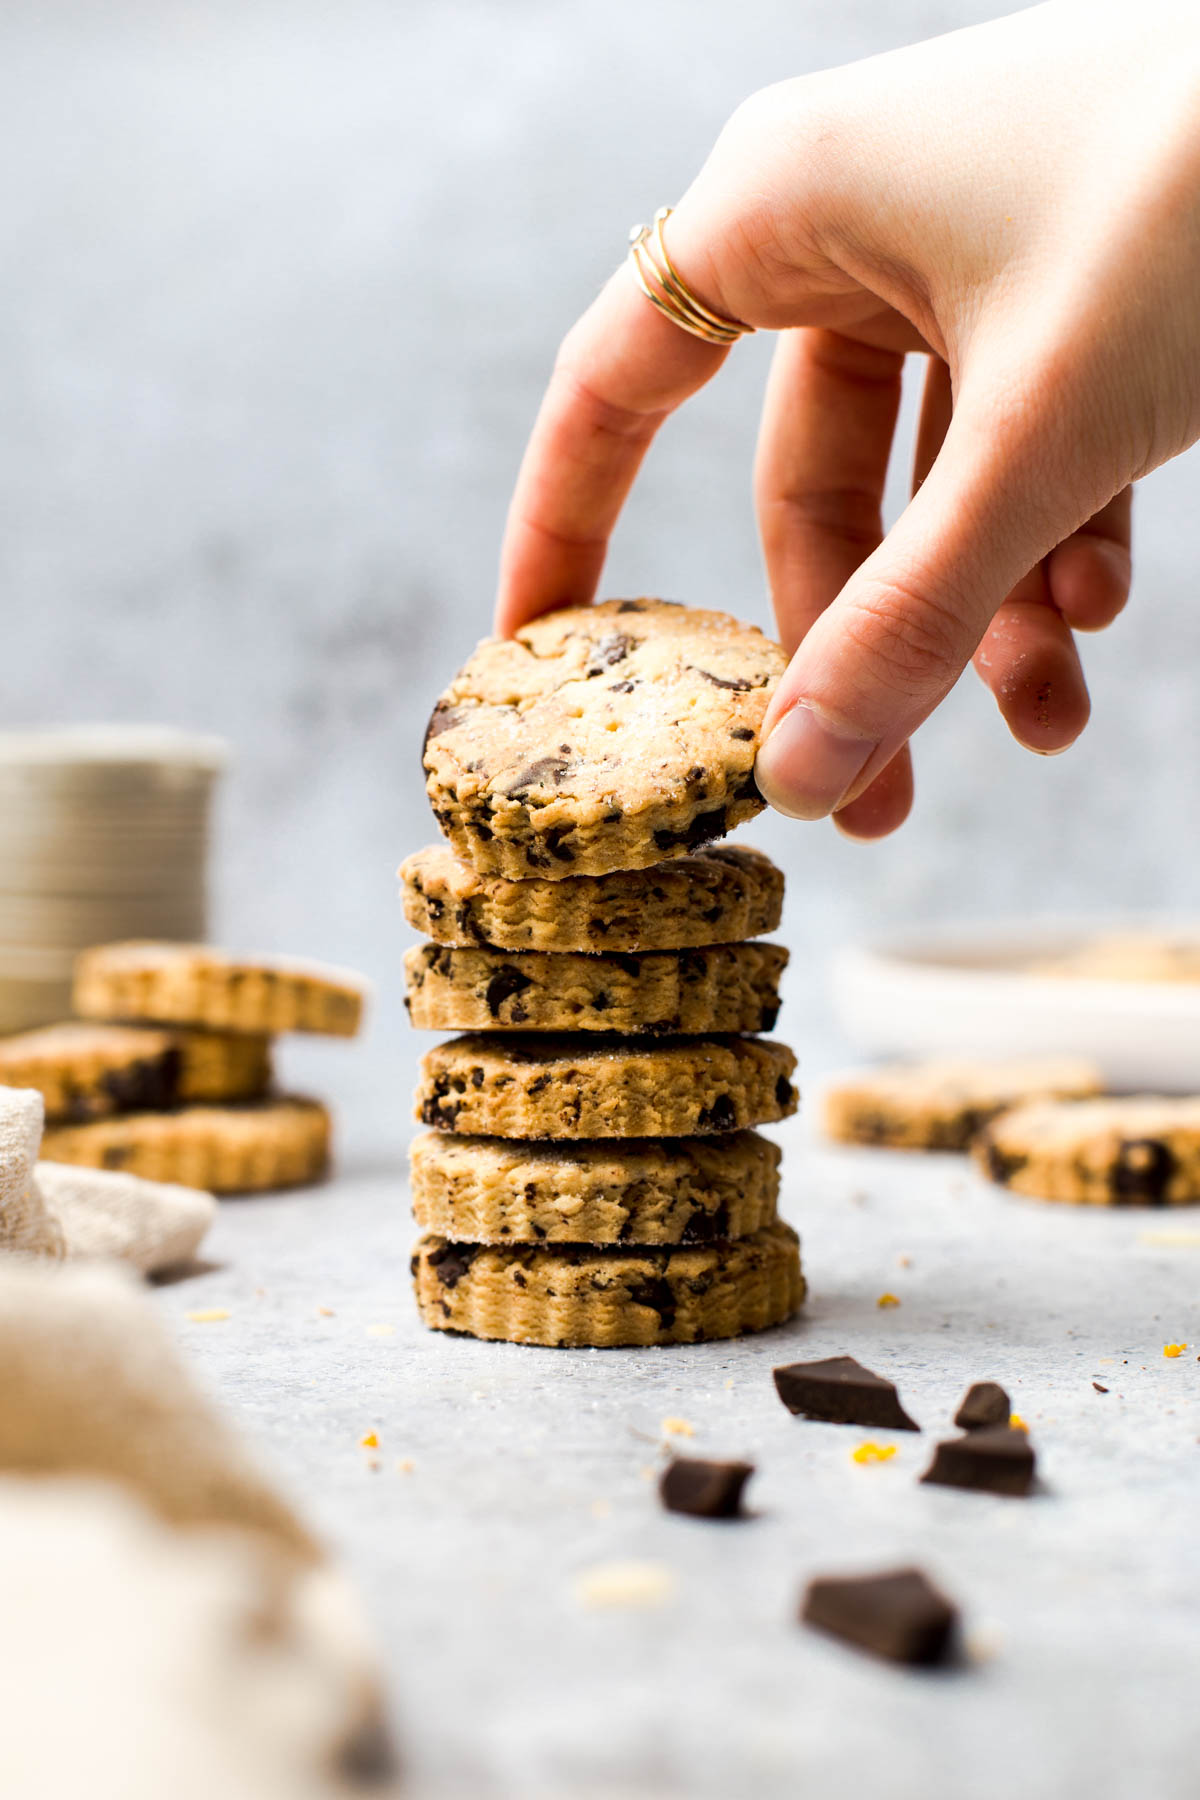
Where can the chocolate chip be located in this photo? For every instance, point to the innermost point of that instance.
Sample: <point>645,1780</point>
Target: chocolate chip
<point>743,734</point>
<point>706,1490</point>
<point>539,1085</point>
<point>656,1293</point>
<point>700,830</point>
<point>998,1459</point>
<point>442,718</point>
<point>545,769</point>
<point>767,1021</point>
<point>1143,1171</point>
<point>706,1227</point>
<point>1002,1165</point>
<point>451,1261</point>
<point>720,1116</point>
<point>985,1403</point>
<point>1095,1384</point>
<point>556,844</point>
<point>506,982</point>
<point>841,1391</point>
<point>637,605</point>
<point>610,650</point>
<point>622,687</point>
<point>785,1093</point>
<point>738,686</point>
<point>900,1615</point>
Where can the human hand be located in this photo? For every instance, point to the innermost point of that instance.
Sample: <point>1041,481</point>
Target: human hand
<point>1020,201</point>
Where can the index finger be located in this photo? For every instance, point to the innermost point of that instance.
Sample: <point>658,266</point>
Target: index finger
<point>620,372</point>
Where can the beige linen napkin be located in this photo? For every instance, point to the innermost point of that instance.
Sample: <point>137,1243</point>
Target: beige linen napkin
<point>54,1209</point>
<point>169,1626</point>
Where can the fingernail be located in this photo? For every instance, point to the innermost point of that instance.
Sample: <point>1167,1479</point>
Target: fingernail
<point>808,763</point>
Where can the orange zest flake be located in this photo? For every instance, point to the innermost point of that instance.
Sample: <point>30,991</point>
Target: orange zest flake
<point>1174,1349</point>
<point>871,1452</point>
<point>1017,1422</point>
<point>888,1300</point>
<point>369,1440</point>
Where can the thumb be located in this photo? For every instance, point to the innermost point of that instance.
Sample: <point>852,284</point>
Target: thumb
<point>888,650</point>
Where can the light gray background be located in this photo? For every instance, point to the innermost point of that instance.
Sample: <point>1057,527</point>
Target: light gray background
<point>280,286</point>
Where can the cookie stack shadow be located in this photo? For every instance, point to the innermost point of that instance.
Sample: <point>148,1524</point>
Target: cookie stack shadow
<point>168,1071</point>
<point>593,1175</point>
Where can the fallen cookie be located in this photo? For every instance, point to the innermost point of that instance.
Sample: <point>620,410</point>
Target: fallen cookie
<point>840,1391</point>
<point>724,988</point>
<point>584,1086</point>
<point>224,1149</point>
<point>599,738</point>
<point>943,1105</point>
<point>721,895</point>
<point>194,984</point>
<point>984,1403</point>
<point>706,1490</point>
<point>490,1190</point>
<point>87,1071</point>
<point>607,1297</point>
<point>1140,1150</point>
<point>900,1615</point>
<point>997,1459</point>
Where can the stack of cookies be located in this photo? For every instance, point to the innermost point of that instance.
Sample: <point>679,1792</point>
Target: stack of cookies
<point>167,1073</point>
<point>592,1176</point>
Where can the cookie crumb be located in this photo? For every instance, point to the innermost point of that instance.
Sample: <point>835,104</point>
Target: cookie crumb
<point>404,1465</point>
<point>216,1315</point>
<point>1174,1349</point>
<point>381,1331</point>
<point>888,1300</point>
<point>369,1440</point>
<point>628,1584</point>
<point>326,1312</point>
<point>870,1452</point>
<point>1017,1423</point>
<point>677,1428</point>
<point>1099,1389</point>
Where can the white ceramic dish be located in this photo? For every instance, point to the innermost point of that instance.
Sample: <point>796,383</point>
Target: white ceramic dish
<point>965,990</point>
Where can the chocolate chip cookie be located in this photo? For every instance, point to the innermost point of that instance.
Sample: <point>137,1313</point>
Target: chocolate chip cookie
<point>721,895</point>
<point>225,1149</point>
<point>1137,1150</point>
<point>86,1071</point>
<point>194,984</point>
<point>942,1105</point>
<point>581,1295</point>
<point>644,1191</point>
<point>600,738</point>
<point>580,1085</point>
<point>727,987</point>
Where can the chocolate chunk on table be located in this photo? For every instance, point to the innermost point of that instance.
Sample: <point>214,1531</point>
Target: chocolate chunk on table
<point>841,1392</point>
<point>985,1403</point>
<point>998,1459</point>
<point>708,1490</point>
<point>899,1615</point>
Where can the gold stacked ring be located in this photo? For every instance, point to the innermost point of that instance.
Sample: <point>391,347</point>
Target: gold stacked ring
<point>666,289</point>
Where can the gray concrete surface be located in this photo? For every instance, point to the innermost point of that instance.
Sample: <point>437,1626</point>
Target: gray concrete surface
<point>281,282</point>
<point>531,1467</point>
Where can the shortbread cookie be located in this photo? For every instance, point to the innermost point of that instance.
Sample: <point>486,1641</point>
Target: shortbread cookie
<point>721,895</point>
<point>86,1071</point>
<point>585,1296</point>
<point>601,737</point>
<point>193,984</point>
<point>726,987</point>
<point>1139,1150</point>
<point>226,1149</point>
<point>645,1191</point>
<point>582,1086</point>
<point>942,1105</point>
